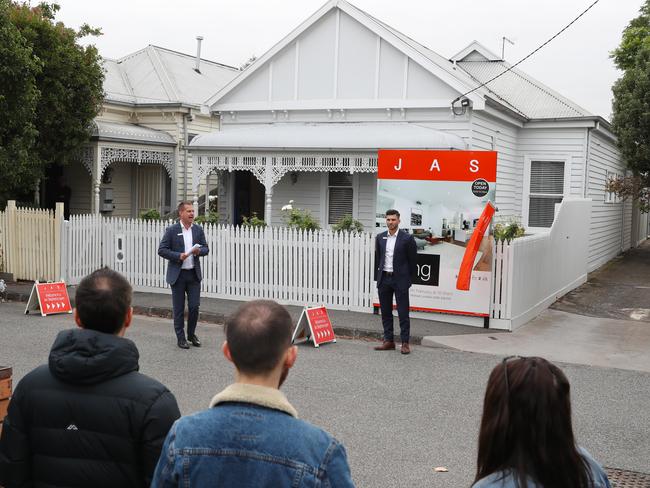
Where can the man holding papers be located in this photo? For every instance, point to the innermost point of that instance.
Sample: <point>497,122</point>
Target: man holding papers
<point>182,245</point>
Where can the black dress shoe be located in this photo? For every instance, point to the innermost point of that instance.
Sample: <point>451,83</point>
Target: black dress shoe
<point>194,340</point>
<point>182,343</point>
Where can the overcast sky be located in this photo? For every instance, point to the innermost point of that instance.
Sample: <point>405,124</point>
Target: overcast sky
<point>576,64</point>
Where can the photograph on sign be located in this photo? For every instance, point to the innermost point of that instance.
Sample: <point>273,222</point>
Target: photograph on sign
<point>444,200</point>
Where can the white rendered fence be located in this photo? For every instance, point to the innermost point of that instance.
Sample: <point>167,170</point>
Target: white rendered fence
<point>531,272</point>
<point>290,266</point>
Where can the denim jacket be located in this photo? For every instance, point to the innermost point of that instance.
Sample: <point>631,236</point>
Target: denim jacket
<point>250,437</point>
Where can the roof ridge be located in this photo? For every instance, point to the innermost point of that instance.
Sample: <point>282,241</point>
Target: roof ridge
<point>163,75</point>
<point>172,51</point>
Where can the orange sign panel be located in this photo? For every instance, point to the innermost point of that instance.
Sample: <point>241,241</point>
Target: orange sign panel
<point>50,298</point>
<point>407,164</point>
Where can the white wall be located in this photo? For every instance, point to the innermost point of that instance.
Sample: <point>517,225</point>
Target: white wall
<point>490,134</point>
<point>305,193</point>
<point>607,229</point>
<point>366,200</point>
<point>561,141</point>
<point>337,59</point>
<point>541,268</point>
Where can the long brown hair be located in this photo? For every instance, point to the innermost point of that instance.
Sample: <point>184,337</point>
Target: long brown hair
<point>526,426</point>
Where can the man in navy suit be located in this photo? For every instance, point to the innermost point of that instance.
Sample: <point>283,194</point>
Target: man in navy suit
<point>396,258</point>
<point>182,245</point>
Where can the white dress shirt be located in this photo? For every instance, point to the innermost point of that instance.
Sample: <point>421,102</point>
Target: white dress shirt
<point>187,239</point>
<point>390,250</point>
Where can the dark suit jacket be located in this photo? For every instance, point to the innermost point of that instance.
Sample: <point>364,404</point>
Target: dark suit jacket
<point>404,258</point>
<point>172,246</point>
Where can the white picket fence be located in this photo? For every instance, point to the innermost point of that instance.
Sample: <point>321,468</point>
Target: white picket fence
<point>30,242</point>
<point>532,272</point>
<point>289,266</point>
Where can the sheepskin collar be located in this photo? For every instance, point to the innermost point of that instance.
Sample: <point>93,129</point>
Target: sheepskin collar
<point>257,395</point>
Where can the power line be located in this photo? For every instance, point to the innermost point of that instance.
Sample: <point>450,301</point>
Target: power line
<point>526,57</point>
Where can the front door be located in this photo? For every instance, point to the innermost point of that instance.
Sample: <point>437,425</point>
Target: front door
<point>248,197</point>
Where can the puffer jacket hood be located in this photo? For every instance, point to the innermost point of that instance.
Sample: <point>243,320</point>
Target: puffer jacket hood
<point>88,357</point>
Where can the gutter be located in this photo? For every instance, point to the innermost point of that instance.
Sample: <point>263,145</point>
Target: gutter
<point>165,105</point>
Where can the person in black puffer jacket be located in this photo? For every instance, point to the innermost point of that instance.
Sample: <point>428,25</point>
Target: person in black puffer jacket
<point>88,418</point>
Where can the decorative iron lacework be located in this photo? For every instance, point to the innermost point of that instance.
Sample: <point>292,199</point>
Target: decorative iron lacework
<point>140,156</point>
<point>87,158</point>
<point>281,164</point>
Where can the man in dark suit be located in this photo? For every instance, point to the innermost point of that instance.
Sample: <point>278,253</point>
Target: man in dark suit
<point>182,245</point>
<point>396,258</point>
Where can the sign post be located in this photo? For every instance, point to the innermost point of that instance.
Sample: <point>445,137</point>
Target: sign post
<point>314,323</point>
<point>49,298</point>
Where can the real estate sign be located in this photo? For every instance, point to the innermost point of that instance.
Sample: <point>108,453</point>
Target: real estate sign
<point>444,199</point>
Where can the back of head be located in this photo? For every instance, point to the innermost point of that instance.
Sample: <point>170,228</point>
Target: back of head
<point>102,300</point>
<point>258,335</point>
<point>526,426</point>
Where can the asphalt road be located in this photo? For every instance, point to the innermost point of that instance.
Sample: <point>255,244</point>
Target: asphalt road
<point>398,416</point>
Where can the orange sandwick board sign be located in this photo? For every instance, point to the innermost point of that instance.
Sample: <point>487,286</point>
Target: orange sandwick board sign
<point>49,298</point>
<point>314,324</point>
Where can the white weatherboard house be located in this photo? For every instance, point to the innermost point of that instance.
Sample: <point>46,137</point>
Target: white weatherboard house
<point>305,121</point>
<point>137,158</point>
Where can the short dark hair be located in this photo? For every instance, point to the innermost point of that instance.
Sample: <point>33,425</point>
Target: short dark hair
<point>258,334</point>
<point>392,211</point>
<point>182,204</point>
<point>102,300</point>
<point>526,426</point>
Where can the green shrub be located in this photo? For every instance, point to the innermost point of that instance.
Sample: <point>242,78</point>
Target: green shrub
<point>151,214</point>
<point>347,223</point>
<point>210,218</point>
<point>508,231</point>
<point>297,218</point>
<point>253,221</point>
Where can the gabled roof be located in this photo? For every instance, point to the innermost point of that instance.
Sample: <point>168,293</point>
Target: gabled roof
<point>475,51</point>
<point>465,71</point>
<point>155,75</point>
<point>434,63</point>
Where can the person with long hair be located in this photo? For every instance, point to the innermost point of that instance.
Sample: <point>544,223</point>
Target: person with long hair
<point>526,437</point>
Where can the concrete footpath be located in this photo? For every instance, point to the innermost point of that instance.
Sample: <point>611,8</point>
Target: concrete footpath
<point>565,337</point>
<point>557,335</point>
<point>355,325</point>
<point>605,322</point>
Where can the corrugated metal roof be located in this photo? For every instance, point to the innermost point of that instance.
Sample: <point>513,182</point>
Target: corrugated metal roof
<point>521,92</point>
<point>333,135</point>
<point>158,75</point>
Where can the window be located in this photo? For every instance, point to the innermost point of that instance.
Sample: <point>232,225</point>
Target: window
<point>340,193</point>
<point>546,185</point>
